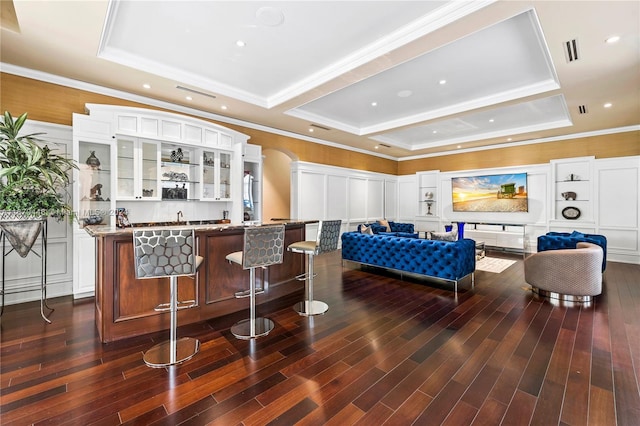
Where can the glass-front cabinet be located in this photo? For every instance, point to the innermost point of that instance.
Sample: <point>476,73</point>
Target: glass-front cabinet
<point>94,191</point>
<point>217,175</point>
<point>138,176</point>
<point>180,177</point>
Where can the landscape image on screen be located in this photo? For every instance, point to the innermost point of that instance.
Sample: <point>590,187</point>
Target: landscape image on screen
<point>491,193</point>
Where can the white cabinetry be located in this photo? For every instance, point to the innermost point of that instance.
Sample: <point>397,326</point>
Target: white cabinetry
<point>428,194</point>
<point>497,235</point>
<point>138,168</point>
<point>572,181</point>
<point>180,172</point>
<point>217,175</point>
<point>252,183</point>
<point>93,195</point>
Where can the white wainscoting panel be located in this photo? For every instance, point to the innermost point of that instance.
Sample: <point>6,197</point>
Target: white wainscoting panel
<point>618,197</point>
<point>337,197</point>
<point>391,199</point>
<point>312,199</point>
<point>375,198</point>
<point>358,198</point>
<point>407,206</point>
<point>352,196</point>
<point>25,272</point>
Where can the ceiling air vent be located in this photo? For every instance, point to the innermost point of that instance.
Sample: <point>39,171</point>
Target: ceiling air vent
<point>385,145</point>
<point>197,92</point>
<point>319,127</point>
<point>571,50</point>
<point>582,109</point>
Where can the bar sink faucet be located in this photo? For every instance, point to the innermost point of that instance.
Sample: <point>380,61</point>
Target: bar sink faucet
<point>180,215</point>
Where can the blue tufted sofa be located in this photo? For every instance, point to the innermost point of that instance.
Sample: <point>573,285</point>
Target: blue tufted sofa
<point>398,229</point>
<point>447,260</point>
<point>565,240</point>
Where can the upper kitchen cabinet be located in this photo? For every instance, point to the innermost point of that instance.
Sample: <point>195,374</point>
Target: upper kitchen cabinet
<point>138,169</point>
<point>93,180</point>
<point>217,175</point>
<point>180,172</point>
<point>142,142</point>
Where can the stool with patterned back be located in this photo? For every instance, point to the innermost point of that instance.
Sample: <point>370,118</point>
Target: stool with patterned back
<point>169,253</point>
<point>326,241</point>
<point>263,246</point>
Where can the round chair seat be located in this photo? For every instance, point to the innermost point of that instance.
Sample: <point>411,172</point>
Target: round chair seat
<point>235,257</point>
<point>303,246</point>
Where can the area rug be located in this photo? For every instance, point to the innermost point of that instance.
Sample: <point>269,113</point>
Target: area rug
<point>493,264</point>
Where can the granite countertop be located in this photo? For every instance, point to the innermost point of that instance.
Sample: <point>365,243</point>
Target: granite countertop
<point>198,225</point>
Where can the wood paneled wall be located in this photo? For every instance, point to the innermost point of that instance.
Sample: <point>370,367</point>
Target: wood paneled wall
<point>605,146</point>
<point>55,104</point>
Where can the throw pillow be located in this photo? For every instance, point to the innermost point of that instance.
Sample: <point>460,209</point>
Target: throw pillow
<point>577,234</point>
<point>445,236</point>
<point>385,223</point>
<point>364,229</point>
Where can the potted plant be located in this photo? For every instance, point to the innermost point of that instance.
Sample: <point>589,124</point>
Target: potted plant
<point>33,179</point>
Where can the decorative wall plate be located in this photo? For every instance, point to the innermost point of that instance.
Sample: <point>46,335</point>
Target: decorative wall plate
<point>571,213</point>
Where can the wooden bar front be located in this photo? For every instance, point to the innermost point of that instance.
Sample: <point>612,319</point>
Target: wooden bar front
<point>125,305</point>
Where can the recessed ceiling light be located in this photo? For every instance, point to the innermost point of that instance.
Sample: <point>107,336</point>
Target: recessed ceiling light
<point>405,93</point>
<point>146,86</point>
<point>434,132</point>
<point>374,104</point>
<point>613,39</point>
<point>223,107</point>
<point>608,105</point>
<point>240,43</point>
<point>443,82</point>
<point>310,130</point>
<point>376,147</point>
<point>189,98</point>
<point>509,139</point>
<point>491,120</point>
<point>459,146</point>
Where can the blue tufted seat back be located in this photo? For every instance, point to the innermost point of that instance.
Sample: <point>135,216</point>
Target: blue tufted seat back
<point>450,260</point>
<point>398,229</point>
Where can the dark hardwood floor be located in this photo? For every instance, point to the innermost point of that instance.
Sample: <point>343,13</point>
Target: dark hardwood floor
<point>388,351</point>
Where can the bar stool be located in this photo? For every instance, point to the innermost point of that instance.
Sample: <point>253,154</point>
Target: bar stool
<point>168,253</point>
<point>263,246</point>
<point>327,240</point>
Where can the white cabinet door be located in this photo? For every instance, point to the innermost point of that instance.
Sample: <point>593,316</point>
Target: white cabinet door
<point>180,172</point>
<point>217,175</point>
<point>138,166</point>
<point>84,265</point>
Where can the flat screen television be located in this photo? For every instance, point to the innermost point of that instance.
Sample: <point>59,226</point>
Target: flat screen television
<point>490,193</point>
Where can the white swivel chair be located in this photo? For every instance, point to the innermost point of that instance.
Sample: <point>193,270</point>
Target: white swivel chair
<point>327,240</point>
<point>168,253</point>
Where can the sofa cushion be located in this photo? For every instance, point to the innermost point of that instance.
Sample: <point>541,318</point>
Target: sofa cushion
<point>366,229</point>
<point>444,236</point>
<point>402,227</point>
<point>395,227</point>
<point>400,234</point>
<point>385,223</point>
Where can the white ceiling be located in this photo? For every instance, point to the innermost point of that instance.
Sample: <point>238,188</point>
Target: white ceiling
<point>322,64</point>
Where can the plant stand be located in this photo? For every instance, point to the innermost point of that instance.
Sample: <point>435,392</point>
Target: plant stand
<point>35,227</point>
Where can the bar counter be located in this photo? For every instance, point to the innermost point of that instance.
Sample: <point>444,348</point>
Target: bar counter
<point>125,305</point>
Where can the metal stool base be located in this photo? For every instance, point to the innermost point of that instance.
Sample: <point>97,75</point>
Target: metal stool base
<point>160,355</point>
<point>310,307</point>
<point>242,329</point>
